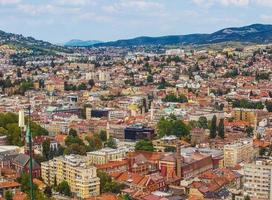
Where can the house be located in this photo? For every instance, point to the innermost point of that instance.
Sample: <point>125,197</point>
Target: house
<point>147,183</point>
<point>114,166</point>
<point>9,186</point>
<point>38,141</point>
<point>21,165</point>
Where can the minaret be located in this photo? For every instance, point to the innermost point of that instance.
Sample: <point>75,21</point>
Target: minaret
<point>108,128</point>
<point>152,112</point>
<point>178,160</point>
<point>21,123</point>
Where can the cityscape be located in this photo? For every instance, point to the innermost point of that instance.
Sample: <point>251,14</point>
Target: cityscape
<point>181,111</point>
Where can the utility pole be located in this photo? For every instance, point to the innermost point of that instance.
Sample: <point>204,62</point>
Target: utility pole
<point>29,141</point>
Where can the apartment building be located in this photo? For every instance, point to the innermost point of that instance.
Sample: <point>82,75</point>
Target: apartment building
<point>105,155</point>
<point>258,180</point>
<point>248,115</point>
<point>240,151</point>
<point>75,169</point>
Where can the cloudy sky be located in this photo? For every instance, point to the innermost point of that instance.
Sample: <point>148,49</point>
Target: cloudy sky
<point>58,21</point>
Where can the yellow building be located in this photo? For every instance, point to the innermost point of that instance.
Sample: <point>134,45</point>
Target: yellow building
<point>241,151</point>
<point>105,155</point>
<point>81,177</point>
<point>168,143</point>
<point>247,115</point>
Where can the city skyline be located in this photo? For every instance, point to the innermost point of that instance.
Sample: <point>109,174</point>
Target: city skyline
<point>58,21</point>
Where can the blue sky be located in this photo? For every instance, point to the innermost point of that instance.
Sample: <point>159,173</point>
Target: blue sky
<point>58,21</point>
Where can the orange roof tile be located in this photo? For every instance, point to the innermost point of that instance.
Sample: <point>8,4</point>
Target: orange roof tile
<point>9,184</point>
<point>19,196</point>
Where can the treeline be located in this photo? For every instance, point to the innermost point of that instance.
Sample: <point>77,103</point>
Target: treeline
<point>175,98</point>
<point>244,103</point>
<point>22,84</point>
<point>75,145</point>
<point>71,87</point>
<point>9,127</point>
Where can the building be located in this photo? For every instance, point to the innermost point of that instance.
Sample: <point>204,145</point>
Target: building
<point>248,115</point>
<point>168,143</point>
<point>198,135</point>
<point>114,167</point>
<point>75,169</point>
<point>11,186</point>
<point>241,151</point>
<point>21,165</point>
<point>258,180</point>
<point>98,113</point>
<point>138,132</point>
<point>105,155</point>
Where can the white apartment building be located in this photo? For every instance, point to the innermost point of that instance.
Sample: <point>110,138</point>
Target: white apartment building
<point>81,177</point>
<point>241,151</point>
<point>258,180</point>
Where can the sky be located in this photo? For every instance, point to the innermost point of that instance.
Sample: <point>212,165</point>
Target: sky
<point>58,21</point>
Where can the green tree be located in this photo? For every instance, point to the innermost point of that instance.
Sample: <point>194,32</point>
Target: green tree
<point>3,131</point>
<point>247,198</point>
<point>268,105</point>
<point>55,182</point>
<point>112,143</point>
<point>249,131</point>
<point>203,122</point>
<point>262,151</point>
<point>76,149</point>
<point>103,135</point>
<point>73,140</point>
<point>170,149</point>
<point>172,126</point>
<point>213,127</point>
<point>14,134</point>
<point>144,145</point>
<point>64,188</point>
<point>95,142</point>
<point>82,86</point>
<point>46,150</point>
<point>221,129</point>
<point>173,98</point>
<point>149,78</point>
<point>8,195</point>
<point>48,191</point>
<point>73,132</point>
<point>107,184</point>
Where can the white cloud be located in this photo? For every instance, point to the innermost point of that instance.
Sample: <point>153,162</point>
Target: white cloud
<point>76,2</point>
<point>266,18</point>
<point>6,2</point>
<point>32,9</point>
<point>264,2</point>
<point>35,9</point>
<point>208,3</point>
<point>141,5</point>
<point>90,16</point>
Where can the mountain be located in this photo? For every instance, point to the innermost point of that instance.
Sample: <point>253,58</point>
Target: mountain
<point>19,41</point>
<point>81,43</point>
<point>256,33</point>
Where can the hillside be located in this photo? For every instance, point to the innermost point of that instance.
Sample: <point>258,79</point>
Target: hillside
<point>81,43</point>
<point>256,33</point>
<point>29,43</point>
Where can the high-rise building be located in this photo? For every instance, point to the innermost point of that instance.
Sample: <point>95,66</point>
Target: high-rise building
<point>81,177</point>
<point>241,151</point>
<point>258,180</point>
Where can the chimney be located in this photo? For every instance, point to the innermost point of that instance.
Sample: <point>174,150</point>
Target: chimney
<point>178,160</point>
